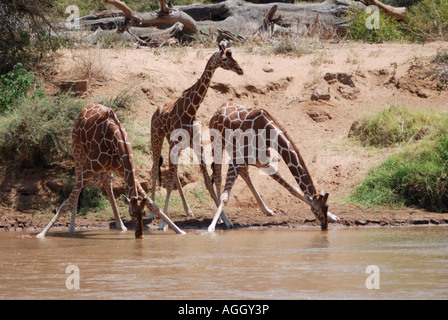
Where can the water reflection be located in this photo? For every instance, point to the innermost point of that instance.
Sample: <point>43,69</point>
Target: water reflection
<point>236,264</point>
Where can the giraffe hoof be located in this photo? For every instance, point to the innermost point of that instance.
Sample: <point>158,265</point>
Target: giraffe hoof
<point>41,236</point>
<point>333,217</point>
<point>269,212</point>
<point>211,229</point>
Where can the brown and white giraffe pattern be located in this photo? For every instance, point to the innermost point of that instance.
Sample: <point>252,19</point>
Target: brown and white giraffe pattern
<point>101,146</point>
<point>236,117</point>
<point>181,114</point>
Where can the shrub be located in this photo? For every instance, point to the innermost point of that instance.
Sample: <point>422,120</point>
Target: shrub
<point>389,29</point>
<point>415,177</point>
<point>290,45</point>
<point>397,124</point>
<point>25,36</point>
<point>15,85</point>
<point>37,132</point>
<point>428,20</point>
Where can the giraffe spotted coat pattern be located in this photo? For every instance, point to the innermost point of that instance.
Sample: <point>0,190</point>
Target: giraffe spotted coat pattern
<point>101,146</point>
<point>181,114</point>
<point>232,117</point>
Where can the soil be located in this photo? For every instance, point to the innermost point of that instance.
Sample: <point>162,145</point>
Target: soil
<point>379,74</point>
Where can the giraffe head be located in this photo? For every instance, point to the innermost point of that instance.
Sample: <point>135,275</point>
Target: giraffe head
<point>224,59</point>
<point>137,211</point>
<point>319,207</point>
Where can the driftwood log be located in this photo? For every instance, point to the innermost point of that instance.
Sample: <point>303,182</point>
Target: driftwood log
<point>235,17</point>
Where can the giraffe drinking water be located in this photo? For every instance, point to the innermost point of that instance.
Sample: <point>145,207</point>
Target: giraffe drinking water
<point>101,146</point>
<point>233,117</point>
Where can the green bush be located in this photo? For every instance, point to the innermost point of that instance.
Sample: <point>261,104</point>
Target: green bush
<point>397,124</point>
<point>37,131</point>
<point>24,33</point>
<point>15,85</point>
<point>415,177</point>
<point>428,20</point>
<point>389,29</point>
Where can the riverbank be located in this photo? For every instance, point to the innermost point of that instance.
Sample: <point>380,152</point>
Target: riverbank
<point>350,217</point>
<point>292,88</point>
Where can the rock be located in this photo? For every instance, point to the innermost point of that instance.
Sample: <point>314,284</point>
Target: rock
<point>54,185</point>
<point>348,92</point>
<point>422,93</point>
<point>76,86</point>
<point>320,95</point>
<point>268,69</point>
<point>420,221</point>
<point>342,77</point>
<point>319,116</point>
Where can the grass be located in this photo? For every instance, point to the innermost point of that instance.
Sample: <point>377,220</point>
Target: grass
<point>415,176</point>
<point>396,124</point>
<point>291,45</point>
<point>37,131</point>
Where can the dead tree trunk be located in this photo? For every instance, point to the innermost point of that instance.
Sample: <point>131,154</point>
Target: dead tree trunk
<point>235,16</point>
<point>231,14</point>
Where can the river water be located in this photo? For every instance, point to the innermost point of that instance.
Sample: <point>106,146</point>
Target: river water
<point>344,263</point>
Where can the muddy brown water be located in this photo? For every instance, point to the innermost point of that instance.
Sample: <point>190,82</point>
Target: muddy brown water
<point>395,263</point>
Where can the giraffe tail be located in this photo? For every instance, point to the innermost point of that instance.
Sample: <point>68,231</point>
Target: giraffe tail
<point>160,170</point>
<point>213,173</point>
<point>80,202</point>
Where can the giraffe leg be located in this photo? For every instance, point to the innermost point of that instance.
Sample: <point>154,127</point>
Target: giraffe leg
<point>156,146</point>
<point>297,193</point>
<point>209,186</point>
<point>71,228</point>
<point>162,225</point>
<point>187,209</point>
<point>232,174</point>
<point>169,189</point>
<point>62,209</point>
<point>106,179</point>
<point>153,208</point>
<point>81,181</point>
<point>245,175</point>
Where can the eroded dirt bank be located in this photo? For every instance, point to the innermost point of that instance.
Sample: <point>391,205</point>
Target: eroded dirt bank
<point>380,74</point>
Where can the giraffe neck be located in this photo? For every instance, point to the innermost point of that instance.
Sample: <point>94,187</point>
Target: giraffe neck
<point>196,94</point>
<point>295,163</point>
<point>126,156</point>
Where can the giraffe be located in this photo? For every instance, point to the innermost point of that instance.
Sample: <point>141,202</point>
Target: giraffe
<point>101,146</point>
<point>230,118</point>
<point>181,114</point>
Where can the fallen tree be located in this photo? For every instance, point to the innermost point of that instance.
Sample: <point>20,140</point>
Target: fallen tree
<point>234,17</point>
